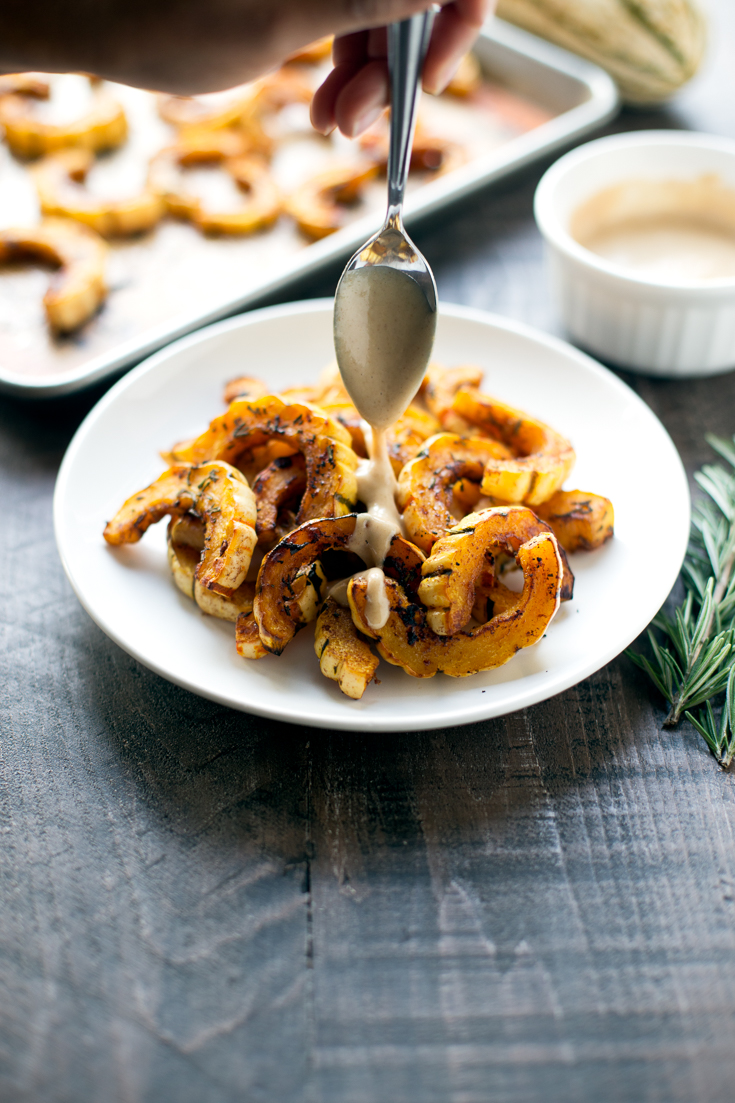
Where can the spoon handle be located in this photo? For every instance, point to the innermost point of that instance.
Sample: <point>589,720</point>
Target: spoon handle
<point>407,44</point>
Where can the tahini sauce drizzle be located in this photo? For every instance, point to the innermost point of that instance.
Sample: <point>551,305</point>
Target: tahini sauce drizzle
<point>383,335</point>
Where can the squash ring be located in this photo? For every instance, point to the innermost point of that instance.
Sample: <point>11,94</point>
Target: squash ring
<point>343,656</point>
<point>316,52</point>
<point>217,493</point>
<point>467,78</point>
<point>103,126</point>
<point>25,84</point>
<point>279,486</point>
<point>439,389</point>
<point>222,110</point>
<point>77,290</point>
<point>542,459</point>
<point>185,543</point>
<point>331,483</point>
<point>261,204</point>
<point>319,205</point>
<point>296,554</point>
<point>59,182</point>
<point>247,637</point>
<point>459,560</point>
<point>407,640</point>
<point>429,152</point>
<point>425,485</point>
<point>580,521</point>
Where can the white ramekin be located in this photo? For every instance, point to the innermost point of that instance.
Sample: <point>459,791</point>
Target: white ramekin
<point>643,324</point>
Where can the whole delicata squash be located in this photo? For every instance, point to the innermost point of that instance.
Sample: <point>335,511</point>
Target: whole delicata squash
<point>650,47</point>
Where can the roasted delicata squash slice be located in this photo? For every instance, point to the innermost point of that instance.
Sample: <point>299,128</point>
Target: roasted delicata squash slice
<point>277,607</point>
<point>404,438</point>
<point>580,521</point>
<point>314,53</point>
<point>439,389</point>
<point>429,152</point>
<point>261,203</point>
<point>459,560</point>
<point>409,434</point>
<point>426,484</point>
<point>467,79</point>
<point>25,84</point>
<point>246,387</point>
<point>185,544</point>
<point>279,487</point>
<point>320,206</point>
<point>331,483</point>
<point>247,637</point>
<point>343,655</point>
<point>217,493</point>
<point>542,458</point>
<point>60,181</point>
<point>236,107</point>
<point>78,288</point>
<point>102,126</point>
<point>211,111</point>
<point>408,641</point>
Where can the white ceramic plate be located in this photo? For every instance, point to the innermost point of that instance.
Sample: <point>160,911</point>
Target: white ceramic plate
<point>623,451</point>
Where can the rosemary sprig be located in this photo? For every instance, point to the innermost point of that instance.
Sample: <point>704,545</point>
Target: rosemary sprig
<point>692,659</point>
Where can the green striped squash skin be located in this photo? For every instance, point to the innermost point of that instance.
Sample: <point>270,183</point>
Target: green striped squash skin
<point>650,47</point>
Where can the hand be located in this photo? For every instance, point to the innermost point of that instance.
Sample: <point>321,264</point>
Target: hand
<point>357,90</point>
<point>190,46</point>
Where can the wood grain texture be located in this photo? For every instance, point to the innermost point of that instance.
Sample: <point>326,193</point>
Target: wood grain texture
<point>199,906</point>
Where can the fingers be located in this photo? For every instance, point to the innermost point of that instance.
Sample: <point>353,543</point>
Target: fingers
<point>455,29</point>
<point>363,98</point>
<point>324,103</point>
<point>357,90</point>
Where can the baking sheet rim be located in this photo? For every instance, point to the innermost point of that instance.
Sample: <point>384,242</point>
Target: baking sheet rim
<point>600,107</point>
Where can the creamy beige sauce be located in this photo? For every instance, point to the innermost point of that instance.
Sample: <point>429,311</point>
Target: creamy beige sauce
<point>374,530</point>
<point>376,482</point>
<point>371,539</point>
<point>672,231</point>
<point>383,334</point>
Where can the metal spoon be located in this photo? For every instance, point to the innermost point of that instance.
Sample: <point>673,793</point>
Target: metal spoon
<point>407,44</point>
<point>391,247</point>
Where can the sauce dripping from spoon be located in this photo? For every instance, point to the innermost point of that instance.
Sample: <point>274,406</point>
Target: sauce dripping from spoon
<point>384,323</point>
<point>383,334</point>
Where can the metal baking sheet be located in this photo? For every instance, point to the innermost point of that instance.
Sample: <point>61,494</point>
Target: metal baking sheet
<point>538,99</point>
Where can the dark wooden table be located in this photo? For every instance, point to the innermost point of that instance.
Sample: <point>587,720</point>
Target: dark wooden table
<point>200,906</point>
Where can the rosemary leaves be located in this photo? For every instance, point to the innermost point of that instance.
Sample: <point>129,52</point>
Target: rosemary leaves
<point>692,659</point>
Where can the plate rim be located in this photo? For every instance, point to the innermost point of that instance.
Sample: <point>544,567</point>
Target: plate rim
<point>360,721</point>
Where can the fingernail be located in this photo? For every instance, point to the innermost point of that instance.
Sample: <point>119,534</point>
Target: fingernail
<point>367,119</point>
<point>441,79</point>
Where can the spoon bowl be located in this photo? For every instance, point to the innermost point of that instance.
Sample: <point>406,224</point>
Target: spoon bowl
<point>386,300</point>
